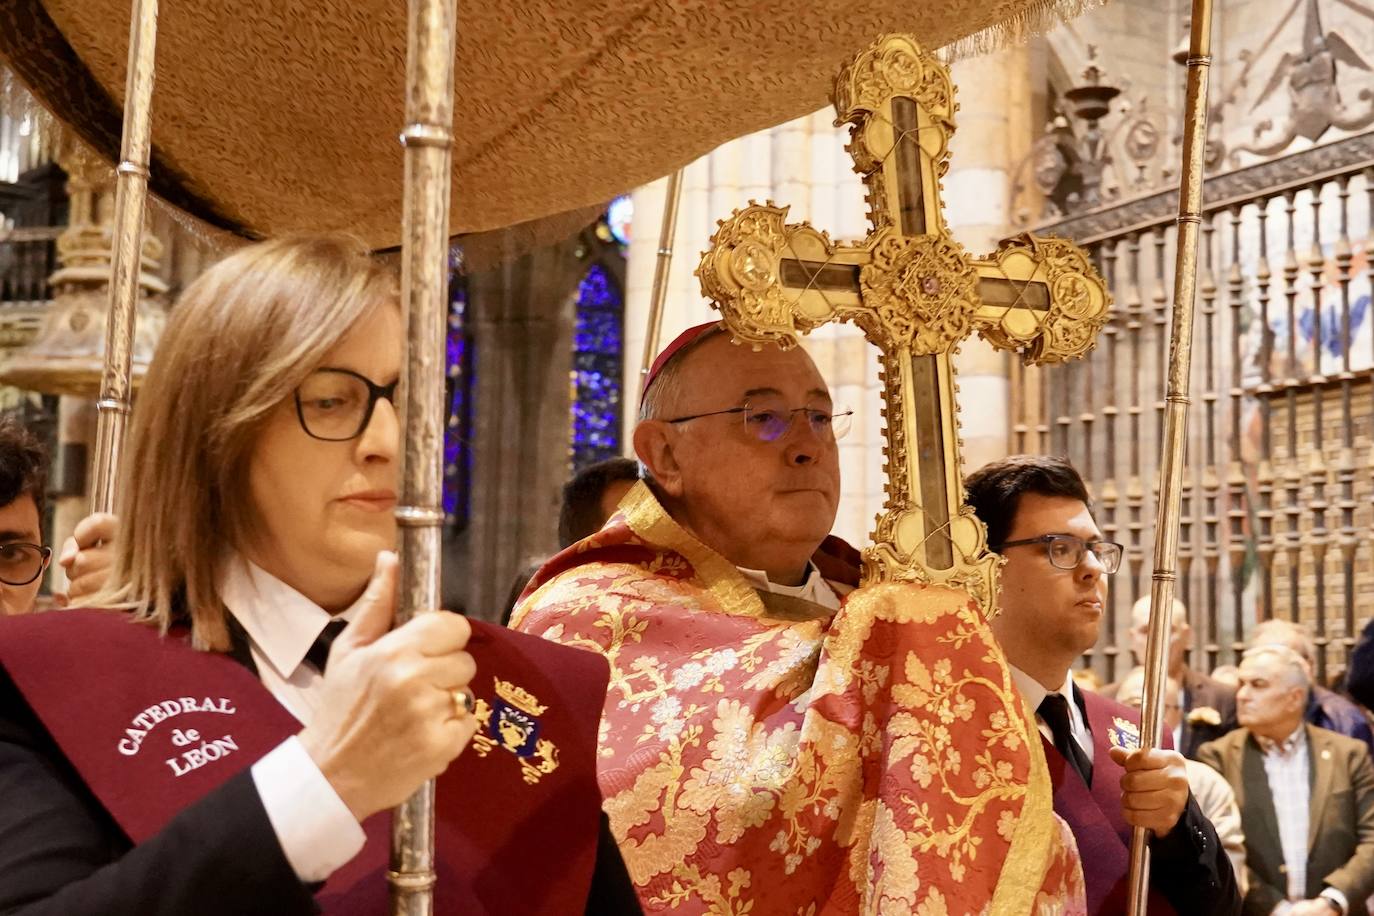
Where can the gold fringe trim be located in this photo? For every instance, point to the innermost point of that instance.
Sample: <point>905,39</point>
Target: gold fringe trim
<point>1034,19</point>
<point>18,104</point>
<point>218,242</point>
<point>1032,843</point>
<point>646,517</point>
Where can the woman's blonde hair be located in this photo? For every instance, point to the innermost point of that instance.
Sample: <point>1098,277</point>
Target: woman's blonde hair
<point>239,341</point>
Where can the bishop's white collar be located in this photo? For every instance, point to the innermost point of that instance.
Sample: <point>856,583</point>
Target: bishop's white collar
<point>815,589</point>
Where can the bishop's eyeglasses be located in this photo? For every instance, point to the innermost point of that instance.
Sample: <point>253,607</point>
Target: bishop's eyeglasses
<point>769,421</point>
<point>21,563</point>
<point>1066,551</point>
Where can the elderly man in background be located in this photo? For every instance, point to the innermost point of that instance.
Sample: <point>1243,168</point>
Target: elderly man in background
<point>1227,676</point>
<point>1324,708</point>
<point>1213,793</point>
<point>1306,795</point>
<point>1207,707</point>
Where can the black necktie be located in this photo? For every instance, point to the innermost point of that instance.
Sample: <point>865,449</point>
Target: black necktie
<point>319,649</point>
<point>1054,709</point>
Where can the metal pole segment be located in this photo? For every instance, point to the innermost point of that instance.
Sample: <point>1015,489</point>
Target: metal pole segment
<point>1175,435</point>
<point>131,191</point>
<point>428,140</point>
<point>659,294</point>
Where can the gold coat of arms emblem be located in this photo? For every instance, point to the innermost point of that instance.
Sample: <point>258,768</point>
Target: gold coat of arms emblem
<point>512,722</point>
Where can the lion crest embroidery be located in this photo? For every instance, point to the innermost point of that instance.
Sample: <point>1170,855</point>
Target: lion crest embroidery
<point>1124,734</point>
<point>512,722</point>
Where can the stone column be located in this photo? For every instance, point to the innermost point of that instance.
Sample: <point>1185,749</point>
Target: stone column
<point>520,329</point>
<point>683,306</point>
<point>994,133</point>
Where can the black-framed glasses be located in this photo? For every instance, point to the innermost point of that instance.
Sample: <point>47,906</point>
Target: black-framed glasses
<point>336,404</point>
<point>769,422</point>
<point>21,563</point>
<point>1066,550</point>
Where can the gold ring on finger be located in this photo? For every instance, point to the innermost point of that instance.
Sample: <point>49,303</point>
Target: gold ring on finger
<point>464,703</point>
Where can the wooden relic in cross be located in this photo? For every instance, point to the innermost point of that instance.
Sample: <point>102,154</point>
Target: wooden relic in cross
<point>916,294</point>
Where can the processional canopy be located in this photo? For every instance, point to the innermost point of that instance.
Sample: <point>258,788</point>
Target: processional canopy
<point>916,295</point>
<point>272,116</point>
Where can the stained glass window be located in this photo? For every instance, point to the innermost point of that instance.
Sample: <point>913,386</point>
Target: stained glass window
<point>620,215</point>
<point>457,495</point>
<point>597,366</point>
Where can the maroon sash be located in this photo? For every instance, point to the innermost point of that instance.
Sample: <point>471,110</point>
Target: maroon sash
<point>1094,814</point>
<point>152,725</point>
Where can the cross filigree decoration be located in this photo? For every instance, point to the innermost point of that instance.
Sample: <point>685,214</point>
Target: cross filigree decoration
<point>916,294</point>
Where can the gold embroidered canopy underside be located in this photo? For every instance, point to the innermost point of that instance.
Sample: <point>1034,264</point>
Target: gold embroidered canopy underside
<point>277,115</point>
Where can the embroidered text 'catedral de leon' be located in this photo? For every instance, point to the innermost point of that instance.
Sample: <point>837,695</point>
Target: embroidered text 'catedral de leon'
<point>199,750</point>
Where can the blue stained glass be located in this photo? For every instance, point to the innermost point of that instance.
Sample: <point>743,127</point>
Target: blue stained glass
<point>597,367</point>
<point>457,482</point>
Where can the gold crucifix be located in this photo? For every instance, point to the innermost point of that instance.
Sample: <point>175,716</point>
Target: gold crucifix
<point>916,294</point>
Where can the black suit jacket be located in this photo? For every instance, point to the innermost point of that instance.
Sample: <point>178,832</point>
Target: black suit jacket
<point>62,855</point>
<point>1189,867</point>
<point>1359,676</point>
<point>1200,691</point>
<point>1340,840</point>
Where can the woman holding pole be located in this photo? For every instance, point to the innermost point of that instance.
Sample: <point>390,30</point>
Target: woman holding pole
<point>227,733</point>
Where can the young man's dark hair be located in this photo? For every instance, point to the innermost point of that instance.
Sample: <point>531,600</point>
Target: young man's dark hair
<point>995,490</point>
<point>23,463</point>
<point>24,558</point>
<point>582,512</point>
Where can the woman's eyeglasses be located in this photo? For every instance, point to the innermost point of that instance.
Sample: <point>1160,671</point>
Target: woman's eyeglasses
<point>337,404</point>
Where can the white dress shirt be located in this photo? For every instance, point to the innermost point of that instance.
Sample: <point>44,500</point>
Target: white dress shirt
<point>282,625</point>
<point>316,830</point>
<point>1035,694</point>
<point>815,589</point>
<point>1287,764</point>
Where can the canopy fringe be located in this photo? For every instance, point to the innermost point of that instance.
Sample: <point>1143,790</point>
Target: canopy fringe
<point>1031,21</point>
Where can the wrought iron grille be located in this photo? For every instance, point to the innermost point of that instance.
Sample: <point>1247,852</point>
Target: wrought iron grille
<point>1279,498</point>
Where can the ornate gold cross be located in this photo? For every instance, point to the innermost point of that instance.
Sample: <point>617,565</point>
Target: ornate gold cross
<point>916,294</point>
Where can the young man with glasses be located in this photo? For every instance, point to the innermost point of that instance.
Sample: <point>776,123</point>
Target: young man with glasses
<point>23,557</point>
<point>1053,592</point>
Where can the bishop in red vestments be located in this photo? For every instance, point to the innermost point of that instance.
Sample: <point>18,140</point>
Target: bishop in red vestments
<point>774,740</point>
